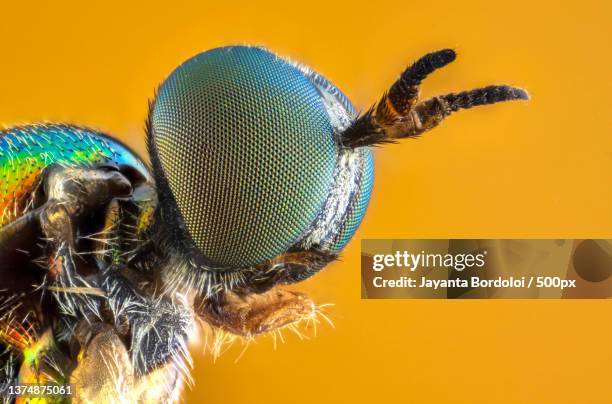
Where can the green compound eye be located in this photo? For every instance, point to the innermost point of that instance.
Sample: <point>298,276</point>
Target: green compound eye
<point>247,148</point>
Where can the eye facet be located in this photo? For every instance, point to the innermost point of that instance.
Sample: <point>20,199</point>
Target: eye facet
<point>247,149</point>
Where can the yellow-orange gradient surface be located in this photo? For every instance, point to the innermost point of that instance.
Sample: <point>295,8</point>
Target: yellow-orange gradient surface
<point>516,170</point>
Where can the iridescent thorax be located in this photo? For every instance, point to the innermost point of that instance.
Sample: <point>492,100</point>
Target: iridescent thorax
<point>25,151</point>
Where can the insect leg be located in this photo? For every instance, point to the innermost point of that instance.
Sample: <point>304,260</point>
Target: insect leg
<point>125,232</point>
<point>71,194</point>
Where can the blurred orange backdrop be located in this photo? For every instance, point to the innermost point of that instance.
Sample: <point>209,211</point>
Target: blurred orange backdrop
<point>515,170</point>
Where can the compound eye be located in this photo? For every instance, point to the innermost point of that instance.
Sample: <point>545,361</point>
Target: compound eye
<point>247,150</point>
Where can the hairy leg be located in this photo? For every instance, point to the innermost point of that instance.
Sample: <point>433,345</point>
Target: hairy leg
<point>125,231</point>
<point>140,336</point>
<point>63,196</point>
<point>157,327</point>
<point>71,194</point>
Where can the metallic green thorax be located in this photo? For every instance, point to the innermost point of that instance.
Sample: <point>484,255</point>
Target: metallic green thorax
<point>27,150</point>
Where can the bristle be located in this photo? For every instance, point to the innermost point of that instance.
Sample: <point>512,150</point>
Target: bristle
<point>218,341</point>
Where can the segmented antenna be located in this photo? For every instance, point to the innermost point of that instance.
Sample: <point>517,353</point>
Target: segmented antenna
<point>399,114</point>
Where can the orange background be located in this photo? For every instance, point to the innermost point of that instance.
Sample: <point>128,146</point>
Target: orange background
<point>541,169</point>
